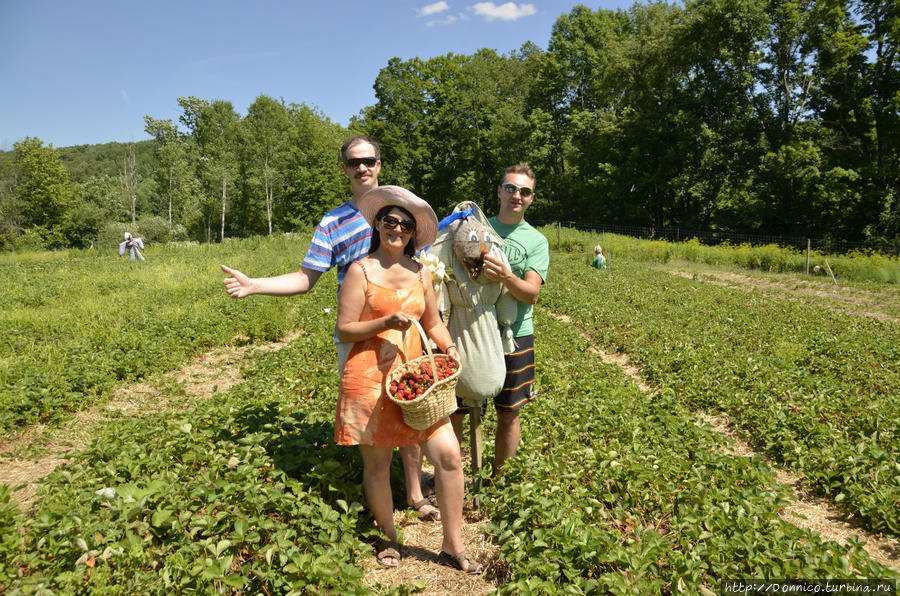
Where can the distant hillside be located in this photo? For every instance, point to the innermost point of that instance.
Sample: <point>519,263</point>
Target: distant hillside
<point>84,161</point>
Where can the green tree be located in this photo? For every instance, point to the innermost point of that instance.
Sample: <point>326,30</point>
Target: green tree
<point>43,192</point>
<point>267,123</point>
<point>619,94</point>
<point>103,192</point>
<point>880,19</point>
<point>580,88</point>
<point>215,127</point>
<point>128,180</point>
<point>313,180</point>
<point>174,168</point>
<point>717,47</point>
<point>448,124</point>
<point>402,93</point>
<point>83,224</point>
<point>10,218</point>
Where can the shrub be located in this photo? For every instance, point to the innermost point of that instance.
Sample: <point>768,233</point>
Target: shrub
<point>154,229</point>
<point>83,224</point>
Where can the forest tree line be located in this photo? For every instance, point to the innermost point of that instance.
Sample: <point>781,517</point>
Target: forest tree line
<point>779,117</point>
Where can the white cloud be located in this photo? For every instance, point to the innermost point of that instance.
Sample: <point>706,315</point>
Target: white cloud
<point>506,12</point>
<point>434,8</point>
<point>445,21</point>
<point>125,95</point>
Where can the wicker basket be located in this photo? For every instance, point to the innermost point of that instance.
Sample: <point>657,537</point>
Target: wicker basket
<point>438,401</point>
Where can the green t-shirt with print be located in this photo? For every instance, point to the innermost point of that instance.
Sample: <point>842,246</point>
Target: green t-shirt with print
<point>527,250</point>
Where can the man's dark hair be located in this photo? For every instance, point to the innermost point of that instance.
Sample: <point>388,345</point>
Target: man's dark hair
<point>356,141</point>
<point>520,168</point>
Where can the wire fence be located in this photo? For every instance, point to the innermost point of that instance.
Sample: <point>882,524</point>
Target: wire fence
<point>713,237</point>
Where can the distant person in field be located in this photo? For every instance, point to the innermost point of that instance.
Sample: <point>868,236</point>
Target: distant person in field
<point>342,237</point>
<point>528,253</point>
<point>599,261</point>
<point>134,246</point>
<point>380,298</point>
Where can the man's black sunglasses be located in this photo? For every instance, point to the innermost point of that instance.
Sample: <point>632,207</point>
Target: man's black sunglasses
<point>353,162</point>
<point>390,222</point>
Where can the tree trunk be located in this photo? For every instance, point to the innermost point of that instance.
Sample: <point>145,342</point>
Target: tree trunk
<point>224,195</point>
<point>171,192</point>
<point>269,200</point>
<point>128,179</point>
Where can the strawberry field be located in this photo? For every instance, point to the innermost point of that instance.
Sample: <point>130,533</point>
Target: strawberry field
<point>75,324</point>
<point>813,388</point>
<point>613,490</point>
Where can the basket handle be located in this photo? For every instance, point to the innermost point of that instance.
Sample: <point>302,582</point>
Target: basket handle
<point>424,343</point>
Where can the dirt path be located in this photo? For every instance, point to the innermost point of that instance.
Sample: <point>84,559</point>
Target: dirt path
<point>38,450</point>
<point>807,510</point>
<point>421,545</point>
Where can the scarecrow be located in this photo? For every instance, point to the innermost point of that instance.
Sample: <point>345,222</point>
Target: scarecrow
<point>132,245</point>
<point>478,312</point>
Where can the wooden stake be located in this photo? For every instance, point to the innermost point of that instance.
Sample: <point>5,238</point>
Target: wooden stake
<point>808,250</point>
<point>477,445</point>
<point>830,272</point>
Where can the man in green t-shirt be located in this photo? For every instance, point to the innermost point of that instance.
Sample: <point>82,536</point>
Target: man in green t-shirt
<point>528,253</point>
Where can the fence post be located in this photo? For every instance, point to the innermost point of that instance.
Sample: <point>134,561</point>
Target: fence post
<point>808,248</point>
<point>558,236</point>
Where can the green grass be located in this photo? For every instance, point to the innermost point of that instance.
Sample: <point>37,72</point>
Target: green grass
<point>612,491</point>
<point>74,324</point>
<point>854,266</point>
<point>813,388</point>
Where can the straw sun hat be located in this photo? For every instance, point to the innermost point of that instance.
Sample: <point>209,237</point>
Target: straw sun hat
<point>380,196</point>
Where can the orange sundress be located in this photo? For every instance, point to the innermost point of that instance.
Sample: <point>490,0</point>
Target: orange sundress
<point>365,414</point>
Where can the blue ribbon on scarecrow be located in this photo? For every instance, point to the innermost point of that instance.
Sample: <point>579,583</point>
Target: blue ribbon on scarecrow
<point>453,217</point>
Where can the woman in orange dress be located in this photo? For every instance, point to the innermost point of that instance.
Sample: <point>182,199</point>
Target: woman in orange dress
<point>380,297</point>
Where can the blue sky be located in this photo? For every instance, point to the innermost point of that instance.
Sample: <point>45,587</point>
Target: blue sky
<point>87,71</point>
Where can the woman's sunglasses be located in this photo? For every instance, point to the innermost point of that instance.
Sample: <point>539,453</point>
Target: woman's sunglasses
<point>390,222</point>
<point>512,188</point>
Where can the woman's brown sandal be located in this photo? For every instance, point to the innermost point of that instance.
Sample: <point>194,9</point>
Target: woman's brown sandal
<point>388,549</point>
<point>432,514</point>
<point>473,567</point>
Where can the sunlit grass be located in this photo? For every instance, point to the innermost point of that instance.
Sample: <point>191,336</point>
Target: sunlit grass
<point>855,266</point>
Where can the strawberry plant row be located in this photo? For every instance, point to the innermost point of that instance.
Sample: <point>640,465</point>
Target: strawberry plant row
<point>74,325</point>
<point>246,493</point>
<point>613,491</point>
<point>610,492</point>
<point>814,389</point>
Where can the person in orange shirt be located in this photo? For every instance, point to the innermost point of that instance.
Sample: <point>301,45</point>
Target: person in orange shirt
<point>381,296</point>
<point>341,237</point>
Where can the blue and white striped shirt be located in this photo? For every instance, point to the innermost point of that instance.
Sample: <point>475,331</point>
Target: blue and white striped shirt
<point>342,237</point>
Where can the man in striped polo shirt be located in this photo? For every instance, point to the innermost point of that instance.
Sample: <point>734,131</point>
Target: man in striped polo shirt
<point>342,237</point>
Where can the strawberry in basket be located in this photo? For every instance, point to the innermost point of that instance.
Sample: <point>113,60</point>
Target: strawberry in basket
<point>415,382</point>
